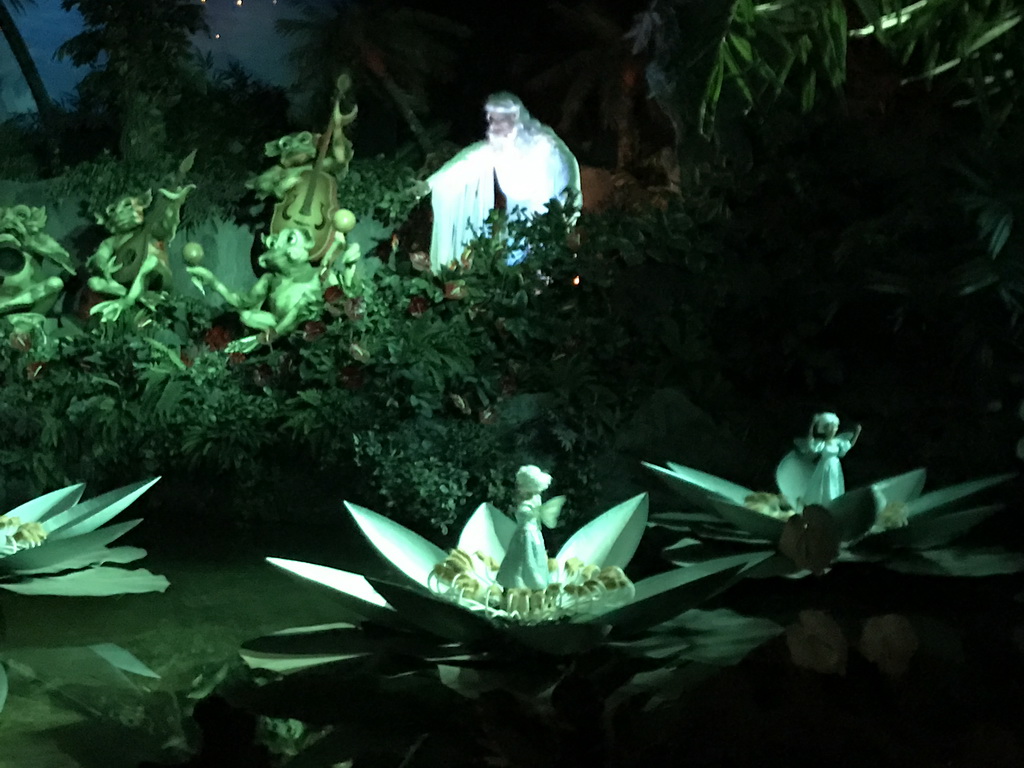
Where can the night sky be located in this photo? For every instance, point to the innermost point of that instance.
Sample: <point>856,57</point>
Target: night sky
<point>501,34</point>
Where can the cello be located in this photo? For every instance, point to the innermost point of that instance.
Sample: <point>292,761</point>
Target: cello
<point>312,202</point>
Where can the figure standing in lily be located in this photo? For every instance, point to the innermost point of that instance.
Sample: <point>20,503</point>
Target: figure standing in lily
<point>824,446</point>
<point>526,561</point>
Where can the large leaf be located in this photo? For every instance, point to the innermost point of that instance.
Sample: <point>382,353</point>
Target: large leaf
<point>53,554</point>
<point>901,488</point>
<point>92,582</point>
<point>938,501</point>
<point>957,561</point>
<point>91,514</point>
<point>699,486</point>
<point>928,532</point>
<point>442,618</point>
<point>611,538</point>
<point>356,594</point>
<point>665,595</point>
<point>560,638</point>
<point>121,659</point>
<point>487,531</point>
<point>755,524</point>
<point>96,555</point>
<point>409,552</point>
<point>721,637</point>
<point>853,512</point>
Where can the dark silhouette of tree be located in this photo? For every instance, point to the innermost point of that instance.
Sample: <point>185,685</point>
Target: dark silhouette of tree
<point>400,51</point>
<point>44,105</point>
<point>142,57</point>
<point>597,70</point>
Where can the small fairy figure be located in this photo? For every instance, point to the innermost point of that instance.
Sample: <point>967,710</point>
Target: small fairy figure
<point>825,446</point>
<point>526,560</point>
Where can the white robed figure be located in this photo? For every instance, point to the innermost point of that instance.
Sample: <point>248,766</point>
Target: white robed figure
<point>526,559</point>
<point>816,461</point>
<point>532,166</point>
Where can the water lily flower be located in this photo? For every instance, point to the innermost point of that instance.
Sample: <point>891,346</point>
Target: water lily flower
<point>888,521</point>
<point>56,545</point>
<point>468,599</point>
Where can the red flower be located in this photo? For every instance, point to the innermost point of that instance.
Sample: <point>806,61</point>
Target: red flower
<point>32,370</point>
<point>217,338</point>
<point>455,290</point>
<point>420,261</point>
<point>417,305</point>
<point>235,358</point>
<point>351,377</point>
<point>359,352</point>
<point>313,330</point>
<point>333,295</point>
<point>20,341</point>
<point>354,308</point>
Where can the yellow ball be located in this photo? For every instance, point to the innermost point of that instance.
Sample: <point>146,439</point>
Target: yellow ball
<point>192,253</point>
<point>344,220</point>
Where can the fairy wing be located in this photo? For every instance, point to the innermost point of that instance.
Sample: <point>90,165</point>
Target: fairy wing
<point>550,510</point>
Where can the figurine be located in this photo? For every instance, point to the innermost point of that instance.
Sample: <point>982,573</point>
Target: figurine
<point>132,264</point>
<point>291,291</point>
<point>526,561</point>
<point>817,457</point>
<point>305,183</point>
<point>28,287</point>
<point>531,163</point>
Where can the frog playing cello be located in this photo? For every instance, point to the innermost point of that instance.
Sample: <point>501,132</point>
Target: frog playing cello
<point>305,182</point>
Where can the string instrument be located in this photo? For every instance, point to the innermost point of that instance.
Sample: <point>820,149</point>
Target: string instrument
<point>133,251</point>
<point>311,203</point>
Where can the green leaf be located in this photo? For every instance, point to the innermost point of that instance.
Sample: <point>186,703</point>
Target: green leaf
<point>761,526</point>
<point>661,597</point>
<point>958,561</point>
<point>928,532</point>
<point>92,582</point>
<point>936,502</point>
<point>699,486</point>
<point>48,504</point>
<point>92,513</point>
<point>442,618</point>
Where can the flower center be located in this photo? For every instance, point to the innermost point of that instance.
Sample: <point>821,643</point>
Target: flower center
<point>771,504</point>
<point>892,515</point>
<point>574,587</point>
<point>16,535</point>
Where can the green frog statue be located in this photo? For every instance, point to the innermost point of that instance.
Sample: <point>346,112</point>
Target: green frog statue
<point>291,290</point>
<point>132,265</point>
<point>31,267</point>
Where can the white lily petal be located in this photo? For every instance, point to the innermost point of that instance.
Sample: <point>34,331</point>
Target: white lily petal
<point>350,583</point>
<point>610,538</point>
<point>487,531</point>
<point>284,663</point>
<point>92,513</point>
<point>793,476</point>
<point>900,488</point>
<point>704,481</point>
<point>409,552</point>
<point>54,501</point>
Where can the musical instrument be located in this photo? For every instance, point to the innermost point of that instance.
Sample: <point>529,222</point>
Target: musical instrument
<point>311,203</point>
<point>132,252</point>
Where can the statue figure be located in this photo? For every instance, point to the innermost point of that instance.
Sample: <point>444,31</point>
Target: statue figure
<point>291,291</point>
<point>532,166</point>
<point>816,459</point>
<point>132,264</point>
<point>305,182</point>
<point>525,565</point>
<point>29,284</point>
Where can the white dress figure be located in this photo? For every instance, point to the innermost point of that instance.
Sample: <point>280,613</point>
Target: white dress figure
<point>525,564</point>
<point>532,166</point>
<point>813,473</point>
